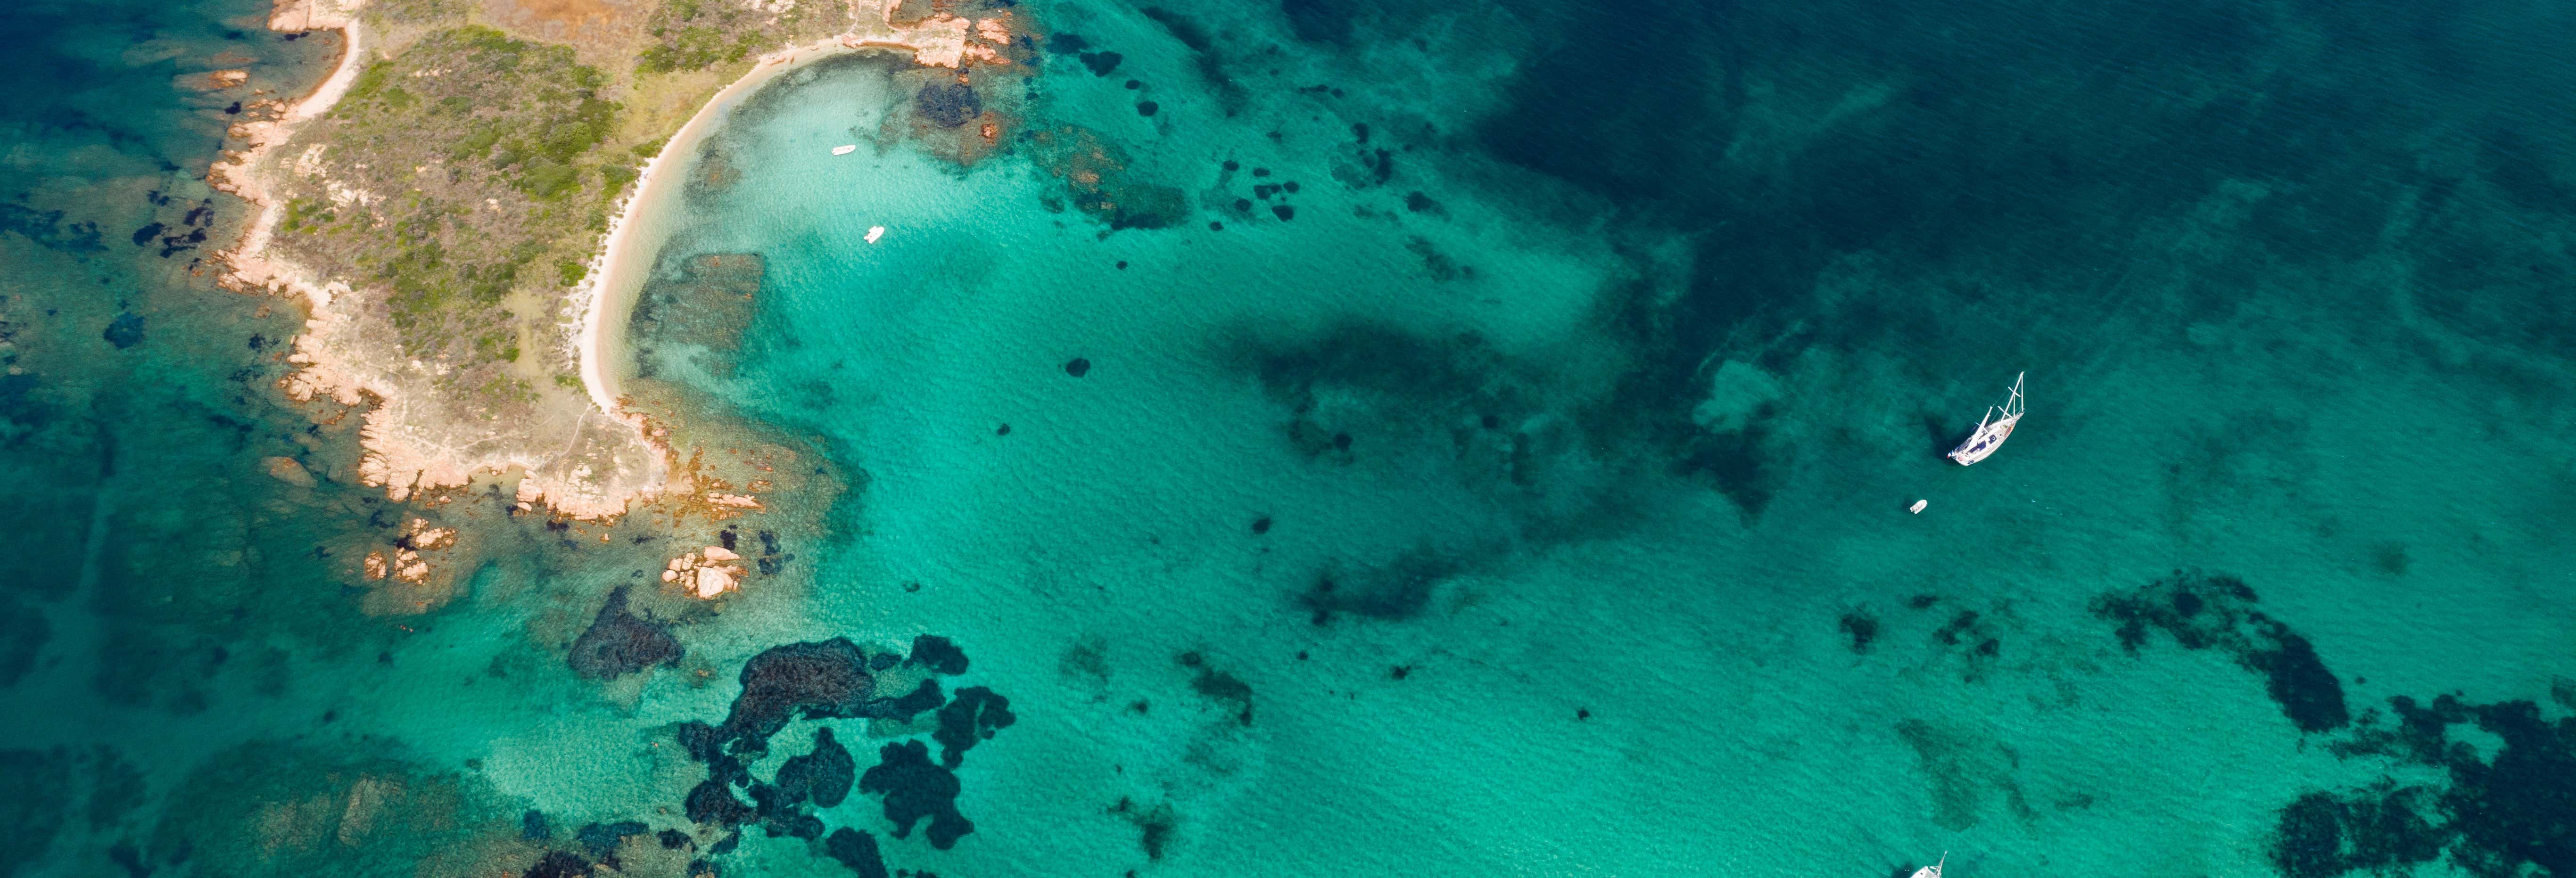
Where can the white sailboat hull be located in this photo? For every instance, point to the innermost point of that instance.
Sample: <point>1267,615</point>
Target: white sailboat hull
<point>1993,430</point>
<point>1982,445</point>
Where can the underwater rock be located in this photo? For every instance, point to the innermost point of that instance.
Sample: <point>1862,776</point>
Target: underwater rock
<point>1395,591</point>
<point>533,826</point>
<point>712,802</point>
<point>1154,826</point>
<point>600,839</point>
<point>2216,612</point>
<point>826,679</point>
<point>2321,835</point>
<point>1861,628</point>
<point>125,331</point>
<point>1220,687</point>
<point>289,470</point>
<point>938,654</point>
<point>700,740</point>
<point>1101,63</point>
<point>915,788</point>
<point>857,850</point>
<point>1077,367</point>
<point>805,826</point>
<point>823,776</point>
<point>2504,815</point>
<point>620,642</point>
<point>558,864</point>
<point>948,104</point>
<point>924,697</point>
<point>973,716</point>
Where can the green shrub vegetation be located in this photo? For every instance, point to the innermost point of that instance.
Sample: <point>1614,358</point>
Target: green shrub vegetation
<point>697,34</point>
<point>473,156</point>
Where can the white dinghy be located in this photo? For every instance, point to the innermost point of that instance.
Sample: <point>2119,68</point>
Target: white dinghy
<point>1992,431</point>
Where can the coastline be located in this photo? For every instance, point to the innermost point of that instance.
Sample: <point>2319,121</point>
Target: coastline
<point>250,263</point>
<point>617,273</point>
<point>569,456</point>
<point>625,258</point>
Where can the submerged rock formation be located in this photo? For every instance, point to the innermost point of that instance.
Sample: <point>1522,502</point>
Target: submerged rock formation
<point>823,776</point>
<point>914,788</point>
<point>2217,612</point>
<point>619,642</point>
<point>974,716</point>
<point>837,679</point>
<point>826,679</point>
<point>857,850</point>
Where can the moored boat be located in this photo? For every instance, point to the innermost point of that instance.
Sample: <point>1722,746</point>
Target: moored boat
<point>1991,432</point>
<point>1934,870</point>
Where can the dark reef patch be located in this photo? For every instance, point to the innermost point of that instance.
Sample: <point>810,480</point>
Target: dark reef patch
<point>2507,815</point>
<point>938,654</point>
<point>601,839</point>
<point>1395,591</point>
<point>822,776</point>
<point>974,715</point>
<point>1861,628</point>
<point>2217,612</point>
<point>948,104</point>
<point>2321,834</point>
<point>838,679</point>
<point>619,642</point>
<point>125,331</point>
<point>1219,686</point>
<point>857,850</point>
<point>559,864</point>
<point>827,679</point>
<point>915,788</point>
<point>1154,826</point>
<point>713,802</point>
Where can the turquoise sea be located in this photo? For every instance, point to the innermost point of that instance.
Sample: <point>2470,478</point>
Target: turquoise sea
<point>1432,438</point>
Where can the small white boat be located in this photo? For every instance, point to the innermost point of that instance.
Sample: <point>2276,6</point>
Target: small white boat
<point>875,232</point>
<point>1992,431</point>
<point>1917,508</point>
<point>1934,870</point>
<point>845,149</point>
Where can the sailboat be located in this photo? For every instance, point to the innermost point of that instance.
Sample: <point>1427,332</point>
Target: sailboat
<point>1934,870</point>
<point>1992,431</point>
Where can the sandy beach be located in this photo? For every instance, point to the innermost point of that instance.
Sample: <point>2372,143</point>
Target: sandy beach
<point>617,274</point>
<point>569,459</point>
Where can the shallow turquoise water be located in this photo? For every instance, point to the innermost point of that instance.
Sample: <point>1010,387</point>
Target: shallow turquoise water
<point>1642,334</point>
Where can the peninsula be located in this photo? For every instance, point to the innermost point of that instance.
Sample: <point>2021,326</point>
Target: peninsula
<point>465,205</point>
